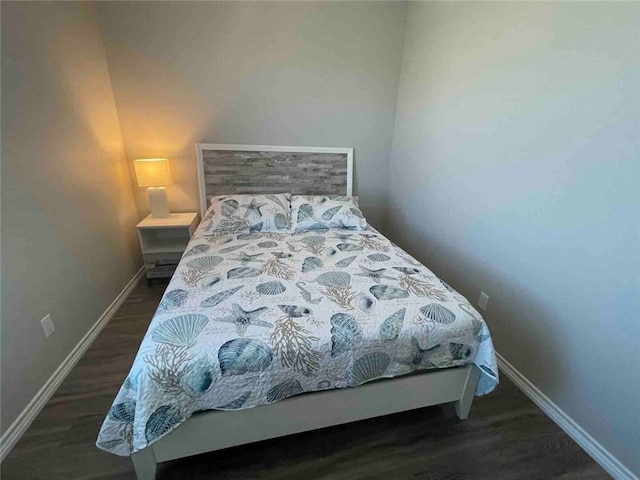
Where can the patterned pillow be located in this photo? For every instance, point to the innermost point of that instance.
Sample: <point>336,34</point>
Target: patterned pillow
<point>250,213</point>
<point>322,213</point>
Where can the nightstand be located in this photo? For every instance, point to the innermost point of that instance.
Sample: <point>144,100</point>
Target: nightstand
<point>163,241</point>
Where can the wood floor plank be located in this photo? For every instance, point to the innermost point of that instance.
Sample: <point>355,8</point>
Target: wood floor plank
<point>505,437</point>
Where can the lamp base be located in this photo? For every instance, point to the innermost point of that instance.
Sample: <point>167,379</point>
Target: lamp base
<point>158,202</point>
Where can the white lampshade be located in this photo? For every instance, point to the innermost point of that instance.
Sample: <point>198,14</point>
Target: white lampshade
<point>152,172</point>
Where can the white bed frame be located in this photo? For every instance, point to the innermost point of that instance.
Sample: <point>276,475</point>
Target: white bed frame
<point>215,429</point>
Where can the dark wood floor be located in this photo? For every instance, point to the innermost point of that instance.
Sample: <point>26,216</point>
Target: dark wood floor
<point>505,437</point>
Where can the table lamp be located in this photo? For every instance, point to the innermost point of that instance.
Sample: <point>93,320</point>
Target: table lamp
<point>154,173</point>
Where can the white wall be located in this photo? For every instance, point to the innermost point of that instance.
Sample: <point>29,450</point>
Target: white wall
<point>515,169</point>
<point>283,73</point>
<point>68,212</point>
<point>514,165</point>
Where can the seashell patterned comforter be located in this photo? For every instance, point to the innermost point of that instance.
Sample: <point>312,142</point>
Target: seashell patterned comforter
<point>251,319</point>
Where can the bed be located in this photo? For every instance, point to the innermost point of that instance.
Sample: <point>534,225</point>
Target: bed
<point>265,332</point>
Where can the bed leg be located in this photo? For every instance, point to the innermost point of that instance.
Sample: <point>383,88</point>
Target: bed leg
<point>463,405</point>
<point>144,463</point>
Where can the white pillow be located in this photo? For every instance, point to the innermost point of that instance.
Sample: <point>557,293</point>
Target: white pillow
<point>250,214</point>
<point>323,212</point>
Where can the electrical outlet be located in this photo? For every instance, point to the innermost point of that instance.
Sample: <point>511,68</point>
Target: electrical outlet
<point>47,325</point>
<point>482,300</point>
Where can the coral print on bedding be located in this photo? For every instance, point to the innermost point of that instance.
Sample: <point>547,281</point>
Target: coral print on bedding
<point>323,212</point>
<point>253,318</point>
<point>248,213</point>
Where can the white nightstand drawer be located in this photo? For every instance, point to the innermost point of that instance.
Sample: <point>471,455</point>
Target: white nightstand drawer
<point>166,271</point>
<point>161,259</point>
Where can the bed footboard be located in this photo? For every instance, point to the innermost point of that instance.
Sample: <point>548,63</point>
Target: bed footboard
<point>455,386</point>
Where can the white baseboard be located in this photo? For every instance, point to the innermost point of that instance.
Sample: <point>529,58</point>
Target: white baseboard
<point>20,425</point>
<point>589,444</point>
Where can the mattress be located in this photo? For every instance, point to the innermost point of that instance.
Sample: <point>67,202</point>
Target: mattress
<point>251,319</point>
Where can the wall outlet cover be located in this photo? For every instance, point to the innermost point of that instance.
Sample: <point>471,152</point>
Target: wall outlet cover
<point>47,325</point>
<point>482,300</point>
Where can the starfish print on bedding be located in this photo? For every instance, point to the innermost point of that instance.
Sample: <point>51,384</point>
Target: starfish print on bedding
<point>253,207</point>
<point>375,275</point>
<point>419,356</point>
<point>243,319</point>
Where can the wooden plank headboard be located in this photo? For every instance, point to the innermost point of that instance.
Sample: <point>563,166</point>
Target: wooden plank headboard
<point>231,169</point>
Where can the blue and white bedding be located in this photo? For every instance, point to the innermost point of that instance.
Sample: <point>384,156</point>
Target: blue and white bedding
<point>250,319</point>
